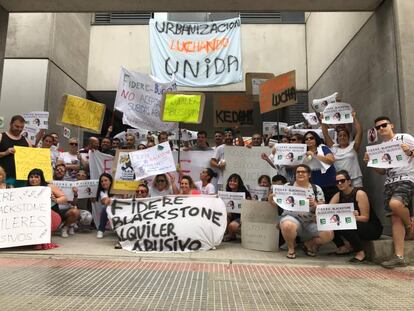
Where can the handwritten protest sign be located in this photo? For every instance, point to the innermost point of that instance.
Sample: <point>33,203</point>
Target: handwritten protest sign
<point>289,154</point>
<point>186,108</point>
<point>152,161</point>
<point>86,188</point>
<point>335,217</point>
<point>291,198</point>
<point>233,110</point>
<point>320,104</point>
<point>270,128</point>
<point>260,230</point>
<point>338,113</point>
<point>232,200</point>
<point>26,159</point>
<point>279,92</point>
<point>259,193</point>
<point>387,155</point>
<point>25,216</point>
<point>83,113</point>
<point>123,172</point>
<point>253,81</point>
<point>139,98</point>
<point>311,118</point>
<point>193,162</point>
<point>169,224</point>
<point>196,54</point>
<point>99,163</point>
<point>246,162</point>
<point>37,119</point>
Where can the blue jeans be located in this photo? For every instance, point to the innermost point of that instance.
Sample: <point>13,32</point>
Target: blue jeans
<point>103,219</point>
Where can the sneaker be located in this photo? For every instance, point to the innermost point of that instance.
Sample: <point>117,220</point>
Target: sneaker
<point>71,230</point>
<point>394,262</point>
<point>64,233</point>
<point>99,235</point>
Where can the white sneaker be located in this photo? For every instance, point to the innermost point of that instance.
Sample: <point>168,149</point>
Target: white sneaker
<point>99,235</point>
<point>71,230</point>
<point>64,233</point>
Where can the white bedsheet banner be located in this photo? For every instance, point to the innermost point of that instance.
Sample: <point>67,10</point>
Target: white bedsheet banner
<point>197,54</point>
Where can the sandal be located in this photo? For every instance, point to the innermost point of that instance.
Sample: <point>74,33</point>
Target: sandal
<point>291,255</point>
<point>118,245</point>
<point>356,260</point>
<point>308,252</point>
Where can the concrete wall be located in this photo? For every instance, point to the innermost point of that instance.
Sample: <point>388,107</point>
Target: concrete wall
<point>404,12</point>
<point>265,48</point>
<point>327,34</point>
<point>365,73</point>
<point>4,18</point>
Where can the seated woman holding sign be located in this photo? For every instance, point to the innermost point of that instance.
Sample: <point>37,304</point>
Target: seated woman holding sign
<point>160,186</point>
<point>302,224</point>
<point>368,225</point>
<point>234,184</point>
<point>37,178</point>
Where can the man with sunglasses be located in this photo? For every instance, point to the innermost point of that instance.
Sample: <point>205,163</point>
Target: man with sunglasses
<point>398,190</point>
<point>71,159</point>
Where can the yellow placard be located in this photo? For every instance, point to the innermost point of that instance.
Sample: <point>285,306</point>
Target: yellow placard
<point>83,113</point>
<point>125,185</point>
<point>27,158</point>
<point>186,108</point>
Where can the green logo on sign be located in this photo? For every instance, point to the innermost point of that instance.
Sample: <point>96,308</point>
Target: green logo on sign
<point>347,116</point>
<point>279,200</point>
<point>301,202</point>
<point>327,118</point>
<point>348,220</point>
<point>300,157</point>
<point>279,157</point>
<point>399,157</point>
<point>375,161</point>
<point>323,221</point>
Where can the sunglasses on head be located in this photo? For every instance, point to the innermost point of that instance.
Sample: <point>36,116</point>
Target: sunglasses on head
<point>383,125</point>
<point>340,181</point>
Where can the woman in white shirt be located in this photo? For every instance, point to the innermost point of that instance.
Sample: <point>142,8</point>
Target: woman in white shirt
<point>204,184</point>
<point>160,186</point>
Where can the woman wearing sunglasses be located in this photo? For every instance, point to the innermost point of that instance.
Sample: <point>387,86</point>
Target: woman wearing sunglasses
<point>320,159</point>
<point>160,186</point>
<point>345,150</point>
<point>368,225</point>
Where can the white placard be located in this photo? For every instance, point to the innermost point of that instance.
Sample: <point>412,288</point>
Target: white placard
<point>152,161</point>
<point>99,163</point>
<point>372,135</point>
<point>66,132</point>
<point>196,53</point>
<point>232,200</point>
<point>124,170</point>
<point>320,104</point>
<point>338,113</point>
<point>37,119</point>
<point>270,128</point>
<point>25,216</point>
<point>256,82</point>
<point>30,133</point>
<point>169,223</point>
<point>139,98</point>
<point>193,162</point>
<point>331,132</point>
<point>311,118</point>
<point>86,188</point>
<point>291,198</point>
<point>335,217</point>
<point>259,193</point>
<point>387,155</point>
<point>289,154</point>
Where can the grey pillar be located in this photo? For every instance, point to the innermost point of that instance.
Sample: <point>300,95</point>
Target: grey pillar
<point>4,21</point>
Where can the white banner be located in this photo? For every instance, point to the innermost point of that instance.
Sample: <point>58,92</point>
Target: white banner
<point>336,217</point>
<point>86,188</point>
<point>289,154</point>
<point>169,224</point>
<point>37,119</point>
<point>270,128</point>
<point>291,198</point>
<point>25,216</point>
<point>99,163</point>
<point>139,98</point>
<point>193,162</point>
<point>311,118</point>
<point>196,54</point>
<point>152,161</point>
<point>259,193</point>
<point>233,200</point>
<point>387,155</point>
<point>338,113</point>
<point>320,104</point>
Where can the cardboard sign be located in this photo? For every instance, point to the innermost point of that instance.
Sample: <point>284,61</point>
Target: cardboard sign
<point>185,108</point>
<point>27,158</point>
<point>253,82</point>
<point>387,155</point>
<point>25,216</point>
<point>86,188</point>
<point>124,176</point>
<point>232,200</point>
<point>338,113</point>
<point>279,92</point>
<point>336,217</point>
<point>291,198</point>
<point>83,113</point>
<point>233,111</point>
<point>259,230</point>
<point>169,224</point>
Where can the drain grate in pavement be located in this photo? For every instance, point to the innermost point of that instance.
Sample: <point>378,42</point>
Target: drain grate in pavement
<point>61,284</point>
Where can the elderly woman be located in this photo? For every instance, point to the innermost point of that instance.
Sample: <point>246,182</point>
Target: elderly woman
<point>368,225</point>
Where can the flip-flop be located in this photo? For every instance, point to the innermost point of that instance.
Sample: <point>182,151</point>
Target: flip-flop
<point>308,252</point>
<point>291,255</point>
<point>356,260</point>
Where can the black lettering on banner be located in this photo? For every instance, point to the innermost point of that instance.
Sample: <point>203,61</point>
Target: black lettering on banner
<point>239,117</point>
<point>170,244</point>
<point>285,96</point>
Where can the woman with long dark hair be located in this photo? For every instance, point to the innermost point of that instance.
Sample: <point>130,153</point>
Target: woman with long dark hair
<point>103,196</point>
<point>205,185</point>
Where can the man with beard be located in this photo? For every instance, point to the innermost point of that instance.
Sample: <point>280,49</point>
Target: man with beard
<point>217,161</point>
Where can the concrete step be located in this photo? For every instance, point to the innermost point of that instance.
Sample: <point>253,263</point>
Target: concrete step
<point>382,249</point>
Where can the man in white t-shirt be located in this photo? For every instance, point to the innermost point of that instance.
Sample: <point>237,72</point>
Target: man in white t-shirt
<point>398,191</point>
<point>217,161</point>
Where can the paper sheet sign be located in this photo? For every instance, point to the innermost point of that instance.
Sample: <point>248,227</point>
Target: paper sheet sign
<point>311,118</point>
<point>232,200</point>
<point>123,172</point>
<point>83,113</point>
<point>86,188</point>
<point>387,155</point>
<point>279,92</point>
<point>27,159</point>
<point>291,198</point>
<point>335,217</point>
<point>320,104</point>
<point>338,113</point>
<point>186,108</point>
<point>37,119</point>
<point>289,154</point>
